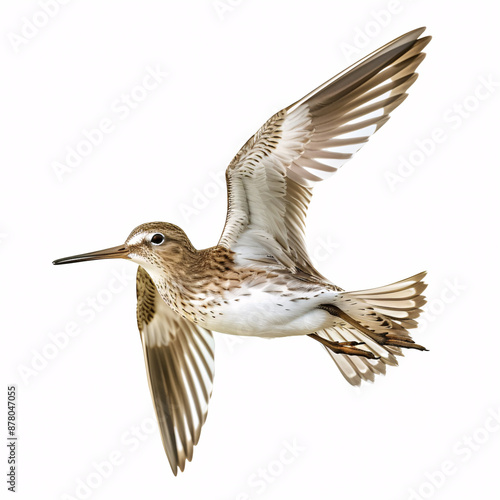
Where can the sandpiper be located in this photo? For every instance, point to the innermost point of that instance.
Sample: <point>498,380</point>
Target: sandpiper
<point>259,280</point>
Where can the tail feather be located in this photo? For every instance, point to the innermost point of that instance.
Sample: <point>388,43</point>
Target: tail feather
<point>380,316</point>
<point>357,368</point>
<point>401,301</point>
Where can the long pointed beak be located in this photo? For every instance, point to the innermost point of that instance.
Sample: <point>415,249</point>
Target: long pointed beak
<point>119,252</point>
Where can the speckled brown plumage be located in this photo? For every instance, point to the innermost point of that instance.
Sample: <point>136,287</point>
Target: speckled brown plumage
<point>259,279</point>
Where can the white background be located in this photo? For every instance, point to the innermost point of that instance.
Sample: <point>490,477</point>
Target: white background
<point>227,70</point>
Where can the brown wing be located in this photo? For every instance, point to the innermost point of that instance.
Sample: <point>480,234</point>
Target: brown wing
<point>269,181</point>
<point>179,359</point>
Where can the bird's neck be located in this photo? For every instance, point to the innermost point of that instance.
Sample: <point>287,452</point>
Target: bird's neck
<point>198,274</point>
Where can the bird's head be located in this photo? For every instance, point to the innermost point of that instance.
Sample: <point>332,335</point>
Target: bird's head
<point>156,246</point>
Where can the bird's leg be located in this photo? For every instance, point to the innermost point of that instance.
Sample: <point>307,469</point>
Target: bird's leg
<point>343,347</point>
<point>384,338</point>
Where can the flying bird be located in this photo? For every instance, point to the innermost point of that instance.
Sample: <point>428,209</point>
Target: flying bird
<point>259,279</point>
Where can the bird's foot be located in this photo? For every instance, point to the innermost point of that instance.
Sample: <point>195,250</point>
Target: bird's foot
<point>399,341</point>
<point>344,347</point>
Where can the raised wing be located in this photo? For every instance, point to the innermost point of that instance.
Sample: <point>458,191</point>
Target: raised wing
<point>270,179</point>
<point>179,359</point>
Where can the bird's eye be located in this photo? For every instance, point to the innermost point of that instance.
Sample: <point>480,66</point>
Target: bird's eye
<point>157,239</point>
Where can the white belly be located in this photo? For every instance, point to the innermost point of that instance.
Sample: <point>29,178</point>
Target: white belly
<point>262,313</point>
